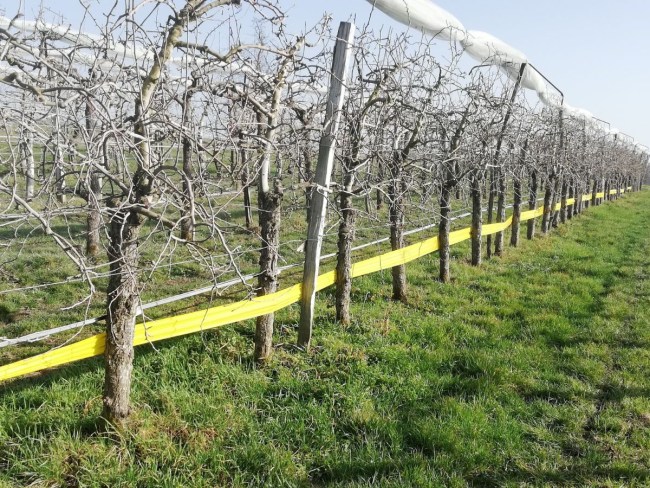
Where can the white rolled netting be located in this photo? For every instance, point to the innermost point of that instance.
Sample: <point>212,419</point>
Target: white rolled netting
<point>424,16</point>
<point>487,49</point>
<point>77,39</point>
<point>531,79</point>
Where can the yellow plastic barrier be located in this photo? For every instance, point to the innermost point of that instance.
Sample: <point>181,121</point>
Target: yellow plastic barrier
<point>211,318</point>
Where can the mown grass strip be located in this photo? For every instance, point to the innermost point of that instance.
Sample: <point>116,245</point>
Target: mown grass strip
<point>530,371</point>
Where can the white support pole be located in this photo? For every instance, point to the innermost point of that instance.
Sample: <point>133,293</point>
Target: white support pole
<point>340,69</point>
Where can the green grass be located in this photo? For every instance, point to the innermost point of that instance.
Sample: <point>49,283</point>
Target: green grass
<point>530,371</point>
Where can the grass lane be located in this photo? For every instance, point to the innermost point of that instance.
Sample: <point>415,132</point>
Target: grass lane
<point>530,371</point>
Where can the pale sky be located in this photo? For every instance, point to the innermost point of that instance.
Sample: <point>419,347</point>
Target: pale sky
<point>593,50</point>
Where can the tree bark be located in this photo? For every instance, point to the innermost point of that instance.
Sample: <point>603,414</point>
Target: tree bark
<point>344,255</point>
<point>557,195</point>
<point>94,217</point>
<point>58,175</point>
<point>122,302</point>
<point>443,232</point>
<point>490,209</point>
<point>396,211</point>
<point>516,212</point>
<point>477,218</point>
<point>188,221</point>
<point>269,218</point>
<point>123,287</point>
<point>246,188</point>
<point>532,204</point>
<point>501,212</point>
<point>563,201</point>
<point>548,209</point>
<point>594,193</point>
<point>27,145</point>
<point>571,208</point>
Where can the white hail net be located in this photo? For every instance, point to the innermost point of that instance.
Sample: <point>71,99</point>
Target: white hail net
<point>429,18</point>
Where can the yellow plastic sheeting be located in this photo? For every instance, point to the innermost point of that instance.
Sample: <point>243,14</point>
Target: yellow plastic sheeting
<point>168,328</point>
<point>489,229</point>
<point>87,348</point>
<point>157,330</point>
<point>402,256</point>
<point>531,214</point>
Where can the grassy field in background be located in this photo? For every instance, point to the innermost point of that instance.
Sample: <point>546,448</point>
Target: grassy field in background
<point>533,370</point>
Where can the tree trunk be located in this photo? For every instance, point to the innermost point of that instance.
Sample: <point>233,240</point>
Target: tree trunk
<point>94,217</point>
<point>58,175</point>
<point>557,195</point>
<point>457,171</point>
<point>490,209</point>
<point>594,194</point>
<point>344,256</point>
<point>122,303</point>
<point>189,220</point>
<point>477,218</point>
<point>246,184</point>
<point>443,232</point>
<point>396,191</point>
<point>570,209</point>
<point>516,212</point>
<point>269,218</point>
<point>30,168</point>
<point>563,201</point>
<point>548,209</point>
<point>501,212</point>
<point>532,204</point>
<point>379,196</point>
<point>123,290</point>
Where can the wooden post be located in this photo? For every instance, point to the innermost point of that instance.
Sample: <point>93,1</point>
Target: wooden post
<point>340,68</point>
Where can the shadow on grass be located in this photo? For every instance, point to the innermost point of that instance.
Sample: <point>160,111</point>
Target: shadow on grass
<point>29,392</point>
<point>579,475</point>
<point>22,233</point>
